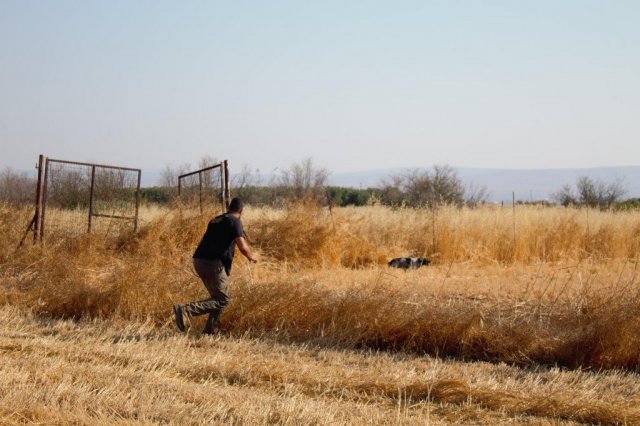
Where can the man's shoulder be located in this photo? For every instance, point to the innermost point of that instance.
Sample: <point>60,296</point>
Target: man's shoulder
<point>235,225</point>
<point>217,219</point>
<point>228,219</point>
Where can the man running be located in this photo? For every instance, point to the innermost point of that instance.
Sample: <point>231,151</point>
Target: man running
<point>212,261</point>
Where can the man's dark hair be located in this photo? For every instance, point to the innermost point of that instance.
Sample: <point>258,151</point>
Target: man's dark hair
<point>236,205</point>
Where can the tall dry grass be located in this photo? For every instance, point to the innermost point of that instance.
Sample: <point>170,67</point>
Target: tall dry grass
<point>563,292</point>
<point>494,234</point>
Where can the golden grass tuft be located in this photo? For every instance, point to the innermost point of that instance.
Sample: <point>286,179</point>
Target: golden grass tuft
<point>560,293</point>
<point>307,235</point>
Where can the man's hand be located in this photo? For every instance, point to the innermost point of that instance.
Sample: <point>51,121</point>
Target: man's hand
<point>244,248</point>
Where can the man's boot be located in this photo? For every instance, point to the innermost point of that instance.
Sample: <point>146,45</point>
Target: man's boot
<point>177,310</point>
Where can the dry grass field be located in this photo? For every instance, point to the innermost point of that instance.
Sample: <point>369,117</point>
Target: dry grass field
<point>540,325</point>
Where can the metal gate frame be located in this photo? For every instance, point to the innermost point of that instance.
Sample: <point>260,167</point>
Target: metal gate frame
<point>225,186</point>
<point>41,194</point>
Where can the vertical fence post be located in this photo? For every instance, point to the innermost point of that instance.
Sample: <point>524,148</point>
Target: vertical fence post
<point>44,197</point>
<point>200,186</point>
<point>39,193</point>
<point>221,182</point>
<point>227,186</point>
<point>93,181</point>
<point>135,221</point>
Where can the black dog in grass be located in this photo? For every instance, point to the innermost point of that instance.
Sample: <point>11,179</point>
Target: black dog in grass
<point>408,262</point>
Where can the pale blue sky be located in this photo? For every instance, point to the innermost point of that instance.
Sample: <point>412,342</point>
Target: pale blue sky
<point>356,85</point>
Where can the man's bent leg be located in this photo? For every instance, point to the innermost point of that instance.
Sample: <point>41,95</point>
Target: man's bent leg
<point>215,279</point>
<point>222,299</point>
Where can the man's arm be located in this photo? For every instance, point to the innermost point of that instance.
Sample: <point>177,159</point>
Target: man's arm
<point>243,245</point>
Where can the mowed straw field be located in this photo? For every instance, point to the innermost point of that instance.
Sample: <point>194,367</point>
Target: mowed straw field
<point>532,318</point>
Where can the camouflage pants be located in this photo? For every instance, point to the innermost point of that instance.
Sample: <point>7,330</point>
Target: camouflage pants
<point>215,280</point>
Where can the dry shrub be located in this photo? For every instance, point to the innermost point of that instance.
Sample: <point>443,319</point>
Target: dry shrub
<point>13,225</point>
<point>303,291</point>
<point>302,235</point>
<point>308,235</point>
<point>580,328</point>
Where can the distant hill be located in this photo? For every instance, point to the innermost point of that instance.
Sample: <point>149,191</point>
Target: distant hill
<point>535,184</point>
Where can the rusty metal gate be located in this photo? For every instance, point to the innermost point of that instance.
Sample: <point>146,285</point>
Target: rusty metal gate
<point>74,198</point>
<point>205,189</point>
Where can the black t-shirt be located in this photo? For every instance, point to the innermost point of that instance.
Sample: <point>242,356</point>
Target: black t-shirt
<point>218,242</point>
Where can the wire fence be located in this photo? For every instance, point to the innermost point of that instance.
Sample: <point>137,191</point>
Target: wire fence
<point>205,191</point>
<point>76,198</point>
